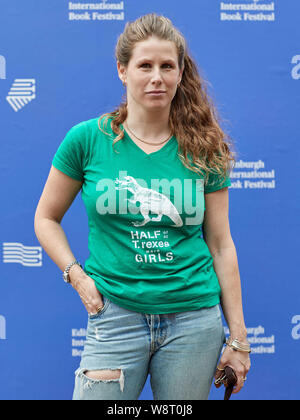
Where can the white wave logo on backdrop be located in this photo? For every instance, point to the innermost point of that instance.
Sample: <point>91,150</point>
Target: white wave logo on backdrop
<point>2,328</point>
<point>28,256</point>
<point>21,93</point>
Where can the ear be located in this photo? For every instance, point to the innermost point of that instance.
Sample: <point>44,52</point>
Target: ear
<point>121,71</point>
<point>180,74</point>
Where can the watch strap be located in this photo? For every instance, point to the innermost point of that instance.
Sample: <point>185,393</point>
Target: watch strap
<point>66,276</point>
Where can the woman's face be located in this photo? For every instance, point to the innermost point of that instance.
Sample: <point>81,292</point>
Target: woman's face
<point>152,68</point>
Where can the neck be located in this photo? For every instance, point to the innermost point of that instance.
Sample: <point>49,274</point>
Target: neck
<point>147,125</point>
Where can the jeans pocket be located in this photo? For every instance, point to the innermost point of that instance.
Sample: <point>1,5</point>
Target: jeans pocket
<point>106,303</point>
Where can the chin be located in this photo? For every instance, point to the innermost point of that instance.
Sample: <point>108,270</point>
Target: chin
<point>158,105</point>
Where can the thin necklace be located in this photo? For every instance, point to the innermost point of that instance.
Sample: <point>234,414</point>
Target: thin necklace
<point>153,144</point>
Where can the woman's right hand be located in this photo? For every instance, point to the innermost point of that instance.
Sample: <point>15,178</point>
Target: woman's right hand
<point>85,287</point>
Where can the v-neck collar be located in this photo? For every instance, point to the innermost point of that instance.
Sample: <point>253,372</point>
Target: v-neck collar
<point>165,148</point>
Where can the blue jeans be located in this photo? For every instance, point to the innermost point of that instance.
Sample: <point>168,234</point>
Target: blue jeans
<point>180,351</point>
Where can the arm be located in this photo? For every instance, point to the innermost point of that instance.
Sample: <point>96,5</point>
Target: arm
<point>219,241</point>
<point>59,192</point>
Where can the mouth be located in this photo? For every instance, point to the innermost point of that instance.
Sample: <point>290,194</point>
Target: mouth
<point>156,92</point>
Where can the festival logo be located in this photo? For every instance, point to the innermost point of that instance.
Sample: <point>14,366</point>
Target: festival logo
<point>96,11</point>
<point>252,176</point>
<point>28,256</point>
<point>21,93</point>
<point>247,11</point>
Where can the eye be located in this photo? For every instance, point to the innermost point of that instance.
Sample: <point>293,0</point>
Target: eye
<point>145,65</point>
<point>168,65</point>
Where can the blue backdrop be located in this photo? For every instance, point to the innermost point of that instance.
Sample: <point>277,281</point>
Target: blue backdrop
<point>57,68</point>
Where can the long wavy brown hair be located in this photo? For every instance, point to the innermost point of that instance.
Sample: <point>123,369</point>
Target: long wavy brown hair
<point>203,146</point>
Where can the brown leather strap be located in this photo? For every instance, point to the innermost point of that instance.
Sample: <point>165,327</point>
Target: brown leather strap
<point>229,382</point>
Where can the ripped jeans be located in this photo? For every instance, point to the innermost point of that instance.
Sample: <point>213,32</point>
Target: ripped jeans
<point>180,351</point>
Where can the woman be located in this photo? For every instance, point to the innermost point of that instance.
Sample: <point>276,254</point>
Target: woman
<point>154,180</point>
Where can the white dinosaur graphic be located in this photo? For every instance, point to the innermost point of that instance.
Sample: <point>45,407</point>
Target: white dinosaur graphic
<point>150,200</point>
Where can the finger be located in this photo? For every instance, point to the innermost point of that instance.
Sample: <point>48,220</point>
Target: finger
<point>217,384</point>
<point>93,301</point>
<point>220,367</point>
<point>92,310</point>
<point>87,304</point>
<point>218,374</point>
<point>247,367</point>
<point>96,306</point>
<point>239,385</point>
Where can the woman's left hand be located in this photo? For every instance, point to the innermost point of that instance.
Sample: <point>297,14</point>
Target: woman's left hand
<point>239,362</point>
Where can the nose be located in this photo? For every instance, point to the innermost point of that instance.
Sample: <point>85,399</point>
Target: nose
<point>156,78</point>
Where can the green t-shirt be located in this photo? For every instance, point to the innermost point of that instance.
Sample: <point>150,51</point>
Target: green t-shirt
<point>145,215</point>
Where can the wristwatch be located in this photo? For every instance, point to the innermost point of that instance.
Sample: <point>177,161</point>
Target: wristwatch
<point>66,276</point>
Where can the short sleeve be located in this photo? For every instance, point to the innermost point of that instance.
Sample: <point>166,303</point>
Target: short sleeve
<point>216,182</point>
<point>69,156</point>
